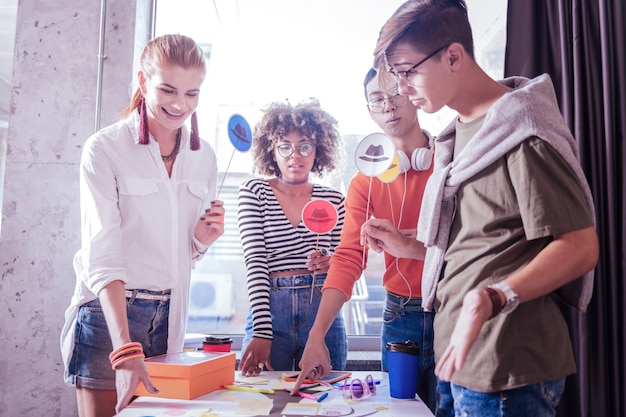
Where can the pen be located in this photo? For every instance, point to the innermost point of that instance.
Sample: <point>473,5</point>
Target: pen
<point>305,395</point>
<point>321,397</point>
<point>249,389</point>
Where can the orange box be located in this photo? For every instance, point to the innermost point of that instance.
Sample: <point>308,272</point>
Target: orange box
<point>187,375</point>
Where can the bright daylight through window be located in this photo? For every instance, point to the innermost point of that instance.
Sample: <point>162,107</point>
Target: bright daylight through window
<point>260,51</point>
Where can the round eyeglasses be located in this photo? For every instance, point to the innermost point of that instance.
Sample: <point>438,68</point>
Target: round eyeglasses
<point>355,389</point>
<point>286,149</point>
<point>378,104</point>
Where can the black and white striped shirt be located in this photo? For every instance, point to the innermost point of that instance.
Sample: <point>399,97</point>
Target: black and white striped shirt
<point>271,243</point>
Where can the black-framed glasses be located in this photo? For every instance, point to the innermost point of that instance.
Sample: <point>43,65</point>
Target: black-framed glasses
<point>286,149</point>
<point>378,104</point>
<point>408,74</point>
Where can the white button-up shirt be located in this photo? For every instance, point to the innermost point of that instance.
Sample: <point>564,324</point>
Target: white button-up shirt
<point>138,222</point>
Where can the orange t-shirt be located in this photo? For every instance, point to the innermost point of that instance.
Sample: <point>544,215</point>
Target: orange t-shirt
<point>394,201</point>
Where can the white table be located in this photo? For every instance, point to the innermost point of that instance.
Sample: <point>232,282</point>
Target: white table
<point>236,403</point>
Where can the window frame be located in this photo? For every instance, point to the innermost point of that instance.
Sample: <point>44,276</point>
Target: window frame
<point>484,34</point>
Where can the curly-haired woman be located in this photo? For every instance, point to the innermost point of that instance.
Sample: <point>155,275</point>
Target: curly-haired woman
<point>286,262</point>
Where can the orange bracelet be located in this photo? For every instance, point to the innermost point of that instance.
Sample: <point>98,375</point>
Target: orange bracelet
<point>120,360</point>
<point>132,346</point>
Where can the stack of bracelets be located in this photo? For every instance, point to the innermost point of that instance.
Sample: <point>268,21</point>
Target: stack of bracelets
<point>126,352</point>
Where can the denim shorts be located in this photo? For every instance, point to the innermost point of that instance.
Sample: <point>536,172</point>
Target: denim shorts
<point>89,365</point>
<point>537,400</point>
<point>405,319</point>
<point>293,313</point>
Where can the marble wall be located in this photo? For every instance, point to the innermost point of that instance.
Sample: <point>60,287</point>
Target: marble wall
<point>53,111</point>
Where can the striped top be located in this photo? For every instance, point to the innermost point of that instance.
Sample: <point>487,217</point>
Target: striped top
<point>271,243</point>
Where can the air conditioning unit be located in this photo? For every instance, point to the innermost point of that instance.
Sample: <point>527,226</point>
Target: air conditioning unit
<point>211,295</point>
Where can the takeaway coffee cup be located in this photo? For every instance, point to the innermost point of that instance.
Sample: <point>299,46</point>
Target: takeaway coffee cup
<point>403,365</point>
<point>216,344</point>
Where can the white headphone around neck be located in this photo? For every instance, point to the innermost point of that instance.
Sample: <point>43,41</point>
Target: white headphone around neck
<point>421,159</point>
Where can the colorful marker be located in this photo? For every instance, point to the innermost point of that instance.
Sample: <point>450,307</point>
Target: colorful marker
<point>321,397</point>
<point>304,395</point>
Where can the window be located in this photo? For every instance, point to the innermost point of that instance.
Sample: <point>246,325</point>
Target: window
<point>8,13</point>
<point>261,51</point>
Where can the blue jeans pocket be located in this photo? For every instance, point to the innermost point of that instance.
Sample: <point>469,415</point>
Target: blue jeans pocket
<point>537,400</point>
<point>89,365</point>
<point>389,316</point>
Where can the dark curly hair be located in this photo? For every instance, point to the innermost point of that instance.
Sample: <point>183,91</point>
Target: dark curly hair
<point>308,119</point>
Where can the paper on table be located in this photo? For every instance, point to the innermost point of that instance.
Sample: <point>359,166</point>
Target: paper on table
<point>280,384</point>
<point>300,409</point>
<point>255,406</point>
<point>144,406</point>
<point>251,380</point>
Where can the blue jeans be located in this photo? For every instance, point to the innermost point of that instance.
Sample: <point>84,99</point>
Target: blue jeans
<point>293,315</point>
<point>537,400</point>
<point>89,365</point>
<point>404,319</point>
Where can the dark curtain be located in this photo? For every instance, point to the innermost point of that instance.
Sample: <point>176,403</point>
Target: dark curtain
<point>582,45</point>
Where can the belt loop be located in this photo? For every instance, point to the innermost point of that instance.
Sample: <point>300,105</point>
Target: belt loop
<point>133,296</point>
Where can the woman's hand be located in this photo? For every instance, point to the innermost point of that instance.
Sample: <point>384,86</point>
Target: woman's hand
<point>210,225</point>
<point>318,261</point>
<point>256,357</point>
<point>127,377</point>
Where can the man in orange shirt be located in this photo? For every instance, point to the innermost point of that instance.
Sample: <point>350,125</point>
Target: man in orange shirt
<point>399,202</point>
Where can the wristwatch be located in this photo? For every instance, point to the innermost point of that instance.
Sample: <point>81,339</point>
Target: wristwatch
<point>512,299</point>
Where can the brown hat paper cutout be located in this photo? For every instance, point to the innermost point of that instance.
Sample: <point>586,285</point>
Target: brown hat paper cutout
<point>374,153</point>
<point>240,132</point>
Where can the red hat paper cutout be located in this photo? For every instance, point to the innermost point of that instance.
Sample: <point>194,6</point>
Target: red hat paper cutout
<point>319,216</point>
<point>374,154</point>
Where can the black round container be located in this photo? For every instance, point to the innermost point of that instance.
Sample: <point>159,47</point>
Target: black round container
<point>409,346</point>
<point>216,344</point>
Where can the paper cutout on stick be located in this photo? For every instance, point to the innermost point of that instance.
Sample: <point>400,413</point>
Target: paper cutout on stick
<point>239,133</point>
<point>319,216</point>
<point>374,154</point>
<point>240,136</point>
<point>392,172</point>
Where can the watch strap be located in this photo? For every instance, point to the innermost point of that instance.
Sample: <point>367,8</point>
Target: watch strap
<point>496,302</point>
<point>512,299</point>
